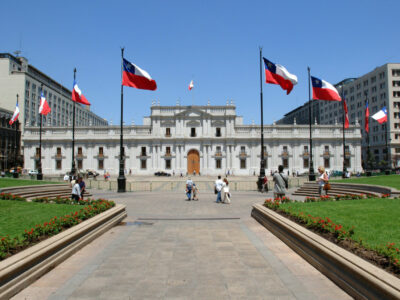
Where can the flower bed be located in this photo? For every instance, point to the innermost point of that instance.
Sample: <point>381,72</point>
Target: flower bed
<point>11,245</point>
<point>386,256</point>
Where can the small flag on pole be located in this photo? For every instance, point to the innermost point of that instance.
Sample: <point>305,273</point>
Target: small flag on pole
<point>323,90</point>
<point>15,115</point>
<point>191,85</point>
<point>77,95</point>
<point>133,76</point>
<point>380,116</point>
<point>44,107</point>
<point>277,74</point>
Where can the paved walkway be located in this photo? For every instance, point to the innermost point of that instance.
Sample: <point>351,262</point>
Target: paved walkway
<point>170,248</point>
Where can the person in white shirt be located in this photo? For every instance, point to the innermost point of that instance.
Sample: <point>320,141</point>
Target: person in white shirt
<point>189,187</point>
<point>66,178</point>
<point>226,195</point>
<point>76,190</point>
<point>218,188</point>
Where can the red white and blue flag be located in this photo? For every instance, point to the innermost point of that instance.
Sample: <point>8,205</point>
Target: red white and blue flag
<point>380,116</point>
<point>136,77</point>
<point>323,90</point>
<point>346,115</point>
<point>15,115</point>
<point>366,117</point>
<point>191,85</point>
<point>44,107</point>
<point>77,95</point>
<point>277,74</point>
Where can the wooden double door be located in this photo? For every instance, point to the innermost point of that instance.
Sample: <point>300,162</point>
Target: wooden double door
<point>193,162</point>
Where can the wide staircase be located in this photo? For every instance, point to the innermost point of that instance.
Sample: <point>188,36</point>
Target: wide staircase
<point>310,189</point>
<point>50,191</point>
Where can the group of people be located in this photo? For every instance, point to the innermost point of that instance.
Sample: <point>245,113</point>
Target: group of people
<point>191,190</point>
<point>221,188</point>
<point>78,188</point>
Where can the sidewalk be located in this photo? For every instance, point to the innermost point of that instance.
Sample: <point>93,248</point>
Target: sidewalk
<point>170,248</point>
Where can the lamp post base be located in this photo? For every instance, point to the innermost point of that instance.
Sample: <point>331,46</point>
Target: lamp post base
<point>369,173</point>
<point>121,184</point>
<point>311,177</point>
<point>39,176</point>
<point>259,183</point>
<point>15,175</point>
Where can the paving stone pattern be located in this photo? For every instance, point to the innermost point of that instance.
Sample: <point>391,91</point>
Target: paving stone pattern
<point>170,248</point>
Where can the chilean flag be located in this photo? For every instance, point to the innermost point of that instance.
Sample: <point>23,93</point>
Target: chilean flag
<point>323,90</point>
<point>191,85</point>
<point>381,116</point>
<point>134,76</point>
<point>15,115</point>
<point>366,117</point>
<point>277,74</point>
<point>346,115</point>
<point>77,95</point>
<point>44,107</point>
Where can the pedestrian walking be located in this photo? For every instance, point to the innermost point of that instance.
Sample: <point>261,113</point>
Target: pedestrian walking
<point>76,190</point>
<point>265,184</point>
<point>226,194</point>
<point>322,180</point>
<point>218,188</point>
<point>189,187</point>
<point>195,192</point>
<point>281,183</point>
<point>82,187</point>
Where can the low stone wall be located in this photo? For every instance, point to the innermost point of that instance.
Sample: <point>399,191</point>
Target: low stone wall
<point>23,268</point>
<point>174,184</point>
<point>359,278</point>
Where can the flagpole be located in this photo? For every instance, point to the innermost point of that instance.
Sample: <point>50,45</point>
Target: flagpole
<point>311,175</point>
<point>39,176</point>
<point>15,174</point>
<point>387,170</point>
<point>73,169</point>
<point>344,139</point>
<point>121,177</point>
<point>262,162</point>
<point>368,147</point>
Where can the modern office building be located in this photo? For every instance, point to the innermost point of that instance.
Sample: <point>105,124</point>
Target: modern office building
<point>381,87</point>
<point>208,140</point>
<point>300,115</point>
<point>19,77</point>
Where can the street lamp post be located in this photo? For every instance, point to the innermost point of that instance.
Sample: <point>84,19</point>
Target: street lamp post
<point>15,174</point>
<point>121,178</point>
<point>311,175</point>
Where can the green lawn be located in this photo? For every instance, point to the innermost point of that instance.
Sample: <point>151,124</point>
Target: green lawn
<point>376,221</point>
<point>384,180</point>
<point>16,216</point>
<point>9,182</point>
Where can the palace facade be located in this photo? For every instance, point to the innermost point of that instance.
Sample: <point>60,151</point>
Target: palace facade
<point>209,140</point>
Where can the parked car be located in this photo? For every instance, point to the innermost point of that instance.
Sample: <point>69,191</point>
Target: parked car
<point>33,172</point>
<point>161,173</point>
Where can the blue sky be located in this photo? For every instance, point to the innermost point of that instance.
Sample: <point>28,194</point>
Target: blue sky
<point>215,43</point>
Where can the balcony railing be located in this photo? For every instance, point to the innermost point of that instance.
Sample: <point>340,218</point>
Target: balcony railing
<point>167,135</point>
<point>218,153</point>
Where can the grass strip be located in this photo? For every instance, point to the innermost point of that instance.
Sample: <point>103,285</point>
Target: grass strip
<point>16,216</point>
<point>10,182</point>
<point>382,180</point>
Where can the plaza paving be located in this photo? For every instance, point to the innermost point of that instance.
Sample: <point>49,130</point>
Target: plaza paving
<point>169,248</point>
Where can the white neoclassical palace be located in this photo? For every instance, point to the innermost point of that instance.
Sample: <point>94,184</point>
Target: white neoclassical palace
<point>207,139</point>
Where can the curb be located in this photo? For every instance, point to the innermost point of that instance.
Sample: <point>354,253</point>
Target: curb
<point>359,278</point>
<point>23,268</point>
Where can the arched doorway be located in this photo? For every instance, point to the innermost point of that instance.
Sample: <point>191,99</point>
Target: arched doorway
<point>193,162</point>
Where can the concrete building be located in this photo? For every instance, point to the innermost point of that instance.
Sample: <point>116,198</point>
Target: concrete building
<point>210,140</point>
<point>19,77</point>
<point>300,115</point>
<point>382,89</point>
